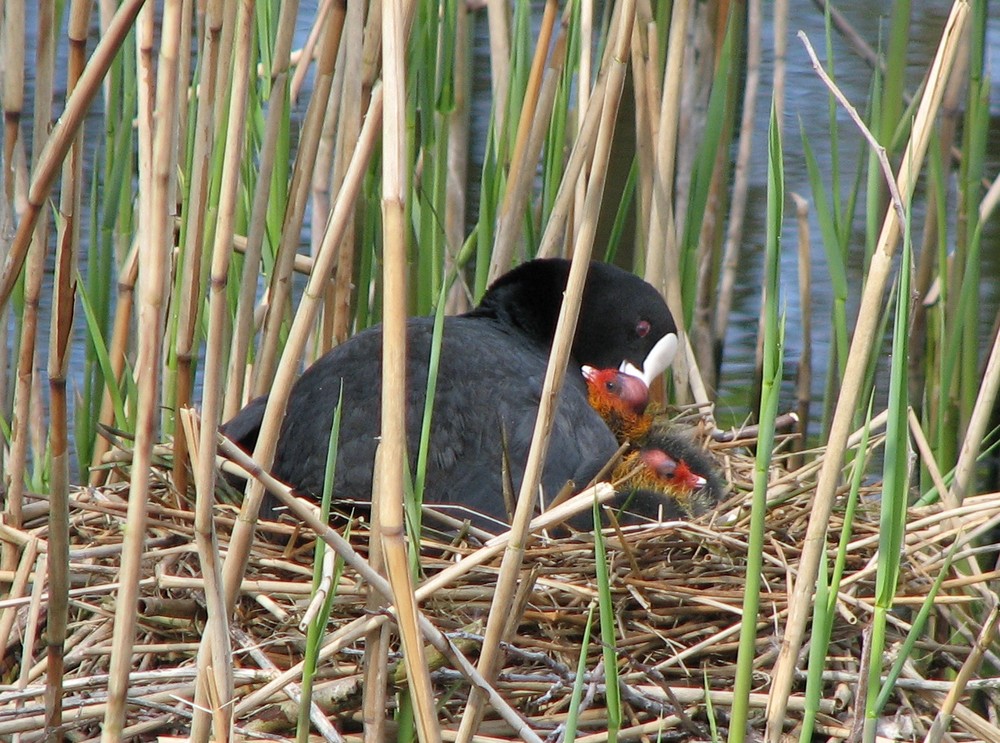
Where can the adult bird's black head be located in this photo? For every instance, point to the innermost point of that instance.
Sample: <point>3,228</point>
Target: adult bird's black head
<point>489,384</point>
<point>621,317</point>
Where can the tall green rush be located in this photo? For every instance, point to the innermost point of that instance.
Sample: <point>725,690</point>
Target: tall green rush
<point>895,483</point>
<point>607,616</point>
<point>315,632</point>
<point>770,388</point>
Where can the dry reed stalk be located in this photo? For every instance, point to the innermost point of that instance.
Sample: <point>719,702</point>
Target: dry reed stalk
<point>189,284</point>
<point>13,47</point>
<point>803,374</point>
<point>60,139</point>
<point>860,351</point>
<point>354,100</point>
<point>18,589</point>
<point>978,423</point>
<point>661,256</point>
<point>243,325</point>
<point>117,349</point>
<point>662,252</point>
<point>580,155</point>
<point>64,296</point>
<point>565,330</point>
<point>499,32</point>
<point>155,259</point>
<point>376,658</point>
<point>780,59</point>
<point>645,91</point>
<point>388,493</point>
<point>25,379</point>
<point>298,197</point>
<point>215,658</point>
<point>31,629</point>
<point>308,52</point>
<point>458,123</point>
<point>584,77</point>
<point>321,185</point>
<point>524,156</point>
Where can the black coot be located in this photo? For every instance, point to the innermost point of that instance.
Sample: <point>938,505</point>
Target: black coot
<point>492,367</point>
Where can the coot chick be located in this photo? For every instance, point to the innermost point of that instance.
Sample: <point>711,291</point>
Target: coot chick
<point>621,399</point>
<point>666,474</point>
<point>668,477</point>
<point>489,384</point>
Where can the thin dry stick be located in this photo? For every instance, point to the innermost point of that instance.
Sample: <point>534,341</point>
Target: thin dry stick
<point>658,270</point>
<point>519,185</point>
<point>392,460</point>
<point>583,148</point>
<point>62,137</point>
<point>323,181</point>
<point>155,263</point>
<point>883,160</point>
<point>741,180</point>
<point>64,296</point>
<point>565,330</point>
<point>219,658</point>
<point>243,322</point>
<point>18,589</point>
<point>857,360</point>
<point>375,664</point>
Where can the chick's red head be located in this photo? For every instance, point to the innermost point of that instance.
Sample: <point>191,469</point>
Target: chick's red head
<point>620,399</point>
<point>673,474</point>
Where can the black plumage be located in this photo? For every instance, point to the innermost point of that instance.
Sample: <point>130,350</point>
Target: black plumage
<point>493,362</point>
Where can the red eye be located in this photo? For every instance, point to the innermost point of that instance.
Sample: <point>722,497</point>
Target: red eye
<point>642,328</point>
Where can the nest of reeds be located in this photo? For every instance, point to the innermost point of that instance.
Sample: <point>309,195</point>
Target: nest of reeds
<point>677,591</point>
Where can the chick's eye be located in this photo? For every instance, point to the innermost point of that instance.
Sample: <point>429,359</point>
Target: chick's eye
<point>611,386</point>
<point>642,328</point>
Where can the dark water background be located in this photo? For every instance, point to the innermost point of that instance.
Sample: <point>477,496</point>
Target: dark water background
<point>806,102</point>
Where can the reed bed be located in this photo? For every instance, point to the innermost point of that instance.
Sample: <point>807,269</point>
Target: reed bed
<point>155,267</point>
<point>677,591</point>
